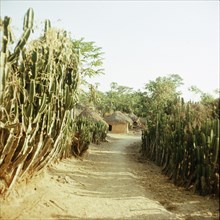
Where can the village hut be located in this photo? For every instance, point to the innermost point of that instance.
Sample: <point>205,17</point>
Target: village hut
<point>143,123</point>
<point>78,110</point>
<point>91,114</point>
<point>118,122</point>
<point>135,119</point>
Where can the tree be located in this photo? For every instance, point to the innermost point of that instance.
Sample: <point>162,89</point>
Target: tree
<point>91,57</point>
<point>204,97</point>
<point>91,65</point>
<point>163,90</point>
<point>159,96</point>
<point>119,98</point>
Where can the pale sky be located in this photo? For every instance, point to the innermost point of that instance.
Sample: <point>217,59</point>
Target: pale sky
<point>141,39</point>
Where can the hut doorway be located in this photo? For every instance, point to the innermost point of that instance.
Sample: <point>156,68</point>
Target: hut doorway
<point>110,127</point>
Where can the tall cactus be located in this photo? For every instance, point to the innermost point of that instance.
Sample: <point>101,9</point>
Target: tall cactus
<point>38,95</point>
<point>188,146</point>
<point>27,27</point>
<point>6,39</point>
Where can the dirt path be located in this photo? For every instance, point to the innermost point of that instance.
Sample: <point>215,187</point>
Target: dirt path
<point>110,183</point>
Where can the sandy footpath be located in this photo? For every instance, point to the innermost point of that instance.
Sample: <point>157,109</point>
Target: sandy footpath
<point>111,182</point>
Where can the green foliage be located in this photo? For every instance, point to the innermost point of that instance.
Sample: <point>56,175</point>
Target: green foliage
<point>204,97</point>
<point>157,95</point>
<point>162,91</point>
<point>91,57</point>
<point>119,98</point>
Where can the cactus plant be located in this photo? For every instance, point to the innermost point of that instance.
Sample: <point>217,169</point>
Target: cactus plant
<point>38,94</point>
<point>187,145</point>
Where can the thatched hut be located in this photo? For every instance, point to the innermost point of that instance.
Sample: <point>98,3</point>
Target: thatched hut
<point>98,128</point>
<point>135,119</point>
<point>143,123</point>
<point>91,114</point>
<point>118,122</point>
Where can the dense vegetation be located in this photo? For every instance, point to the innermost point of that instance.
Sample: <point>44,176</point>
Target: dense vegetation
<point>181,137</point>
<point>41,94</point>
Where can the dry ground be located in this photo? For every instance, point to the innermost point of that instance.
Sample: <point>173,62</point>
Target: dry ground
<point>110,183</point>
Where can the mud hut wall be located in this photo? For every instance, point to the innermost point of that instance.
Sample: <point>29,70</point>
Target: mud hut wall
<point>119,128</point>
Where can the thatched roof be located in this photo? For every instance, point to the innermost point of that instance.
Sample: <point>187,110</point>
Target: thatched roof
<point>89,113</point>
<point>77,112</point>
<point>143,120</point>
<point>133,117</point>
<point>118,117</point>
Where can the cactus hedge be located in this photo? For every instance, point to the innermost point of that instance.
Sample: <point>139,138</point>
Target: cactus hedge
<point>88,131</point>
<point>39,83</point>
<point>185,142</point>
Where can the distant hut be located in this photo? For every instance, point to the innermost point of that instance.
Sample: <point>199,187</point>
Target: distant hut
<point>91,114</point>
<point>135,119</point>
<point>118,122</point>
<point>143,123</point>
<point>77,111</point>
